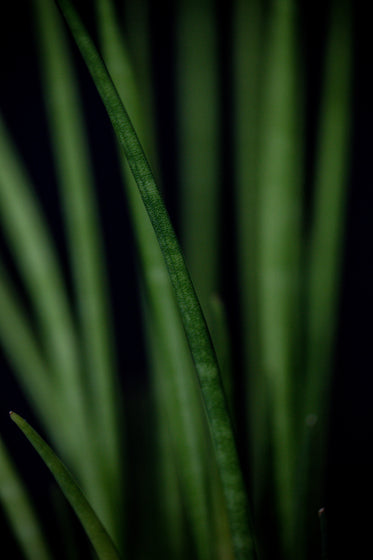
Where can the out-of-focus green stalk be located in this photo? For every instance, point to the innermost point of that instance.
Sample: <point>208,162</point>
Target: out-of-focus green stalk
<point>248,47</point>
<point>20,512</point>
<point>169,494</point>
<point>183,406</point>
<point>221,337</point>
<point>325,252</point>
<point>173,370</point>
<point>327,233</point>
<point>199,145</point>
<point>199,141</point>
<point>23,349</point>
<point>75,178</point>
<point>221,534</point>
<point>138,40</point>
<point>65,523</point>
<point>85,250</point>
<point>36,257</point>
<point>115,51</point>
<point>279,237</point>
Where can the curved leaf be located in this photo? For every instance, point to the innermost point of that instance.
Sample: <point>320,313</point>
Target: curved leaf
<point>20,511</point>
<point>176,390</point>
<point>96,532</point>
<point>193,319</point>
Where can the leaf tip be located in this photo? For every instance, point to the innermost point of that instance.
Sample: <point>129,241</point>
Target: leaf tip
<point>13,416</point>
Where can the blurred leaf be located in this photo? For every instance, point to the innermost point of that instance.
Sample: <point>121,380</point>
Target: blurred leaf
<point>22,516</point>
<point>85,249</point>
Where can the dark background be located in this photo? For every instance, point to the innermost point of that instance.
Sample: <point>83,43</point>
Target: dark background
<point>348,496</point>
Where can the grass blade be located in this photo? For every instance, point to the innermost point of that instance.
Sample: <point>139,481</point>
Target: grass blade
<point>248,46</point>
<point>171,480</point>
<point>22,348</point>
<point>280,204</point>
<point>76,184</point>
<point>20,511</point>
<point>199,142</point>
<point>36,258</point>
<point>332,166</point>
<point>193,320</point>
<point>137,31</point>
<point>220,335</point>
<point>96,532</point>
<point>325,250</point>
<point>175,390</point>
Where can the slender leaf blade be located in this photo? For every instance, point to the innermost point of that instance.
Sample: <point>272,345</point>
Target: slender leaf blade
<point>22,348</point>
<point>175,389</point>
<point>95,530</point>
<point>248,41</point>
<point>193,319</point>
<point>76,184</point>
<point>20,511</point>
<point>279,247</point>
<point>198,139</point>
<point>37,259</point>
<point>35,254</point>
<point>325,253</point>
<point>332,167</point>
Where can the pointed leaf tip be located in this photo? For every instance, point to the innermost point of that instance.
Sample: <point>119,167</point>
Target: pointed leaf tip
<point>96,532</point>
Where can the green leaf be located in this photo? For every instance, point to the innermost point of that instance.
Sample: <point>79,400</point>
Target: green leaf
<point>37,260</point>
<point>22,349</point>
<point>176,392</point>
<point>325,253</point>
<point>248,45</point>
<point>20,511</point>
<point>199,133</point>
<point>279,246</point>
<point>96,532</point>
<point>36,257</point>
<point>85,249</point>
<point>331,174</point>
<point>193,320</point>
